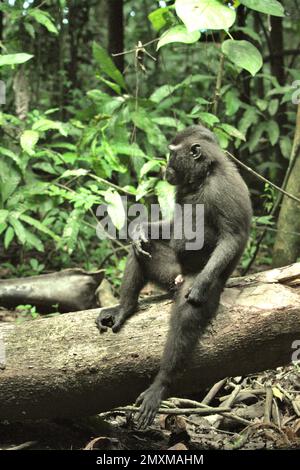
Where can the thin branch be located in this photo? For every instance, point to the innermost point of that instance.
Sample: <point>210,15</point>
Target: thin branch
<point>262,178</point>
<point>131,51</point>
<point>180,411</point>
<point>209,410</point>
<point>218,84</point>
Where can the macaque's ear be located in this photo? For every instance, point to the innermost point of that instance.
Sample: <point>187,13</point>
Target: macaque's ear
<point>196,151</point>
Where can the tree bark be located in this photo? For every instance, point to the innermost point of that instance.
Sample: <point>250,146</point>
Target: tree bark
<point>287,243</point>
<point>62,367</point>
<point>116,31</point>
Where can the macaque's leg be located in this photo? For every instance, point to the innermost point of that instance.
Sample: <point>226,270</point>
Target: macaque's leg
<point>187,323</point>
<point>161,268</point>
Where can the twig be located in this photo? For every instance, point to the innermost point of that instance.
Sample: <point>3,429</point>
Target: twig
<point>25,445</point>
<point>276,413</point>
<point>262,178</point>
<point>108,183</point>
<point>268,405</point>
<point>219,81</point>
<point>254,391</point>
<point>213,392</point>
<point>209,410</point>
<point>196,404</point>
<point>130,51</point>
<point>228,403</point>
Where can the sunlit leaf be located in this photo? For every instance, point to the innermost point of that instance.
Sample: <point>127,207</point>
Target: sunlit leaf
<point>205,14</point>
<point>166,198</point>
<point>115,208</point>
<point>151,165</point>
<point>270,7</point>
<point>230,130</point>
<point>44,19</point>
<point>13,59</point>
<point>178,34</point>
<point>243,54</point>
<point>28,141</point>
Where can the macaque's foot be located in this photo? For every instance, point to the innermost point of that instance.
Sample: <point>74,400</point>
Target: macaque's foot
<point>198,295</point>
<point>140,241</point>
<point>111,317</point>
<point>149,402</point>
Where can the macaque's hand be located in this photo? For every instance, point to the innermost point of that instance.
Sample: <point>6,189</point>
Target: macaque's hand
<point>198,294</point>
<point>149,402</point>
<point>140,241</point>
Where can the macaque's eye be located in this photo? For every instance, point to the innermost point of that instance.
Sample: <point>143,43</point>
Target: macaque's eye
<point>196,151</point>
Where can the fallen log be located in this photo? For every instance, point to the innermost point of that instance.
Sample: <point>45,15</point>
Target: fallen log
<point>62,367</point>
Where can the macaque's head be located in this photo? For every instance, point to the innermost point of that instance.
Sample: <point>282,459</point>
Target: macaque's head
<point>191,155</point>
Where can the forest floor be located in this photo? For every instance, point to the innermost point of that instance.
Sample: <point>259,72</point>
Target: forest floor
<point>264,410</point>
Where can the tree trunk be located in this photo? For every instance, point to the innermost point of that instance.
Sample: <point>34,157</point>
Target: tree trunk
<point>116,31</point>
<point>278,70</point>
<point>287,244</point>
<point>62,367</point>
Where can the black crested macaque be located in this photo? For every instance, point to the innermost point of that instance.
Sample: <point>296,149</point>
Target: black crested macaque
<point>202,175</point>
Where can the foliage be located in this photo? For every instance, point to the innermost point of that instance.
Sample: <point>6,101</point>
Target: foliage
<point>96,134</point>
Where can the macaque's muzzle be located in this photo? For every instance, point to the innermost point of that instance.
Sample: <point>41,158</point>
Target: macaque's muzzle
<point>171,175</point>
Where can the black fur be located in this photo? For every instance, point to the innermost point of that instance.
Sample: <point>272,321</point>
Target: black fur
<point>202,175</point>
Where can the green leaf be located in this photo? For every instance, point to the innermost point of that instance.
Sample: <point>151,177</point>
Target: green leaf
<point>145,187</point>
<point>115,208</point>
<point>3,216</point>
<point>13,59</point>
<point>222,137</point>
<point>273,131</point>
<point>71,230</point>
<point>161,93</point>
<point>114,86</point>
<point>273,107</point>
<point>160,18</point>
<point>107,65</point>
<point>28,141</point>
<point>166,121</point>
<point>143,121</point>
<point>39,226</point>
<point>2,228</point>
<point>149,166</point>
<point>232,102</point>
<point>34,241</point>
<point>9,180</point>
<point>18,228</point>
<point>207,118</point>
<point>270,7</point>
<point>8,153</point>
<point>8,237</point>
<point>285,146</point>
<point>178,34</point>
<point>243,54</point>
<point>132,150</point>
<point>249,32</point>
<point>205,14</point>
<point>249,118</point>
<point>43,125</point>
<point>44,19</point>
<point>261,104</point>
<point>166,198</point>
<point>230,130</point>
<point>256,136</point>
